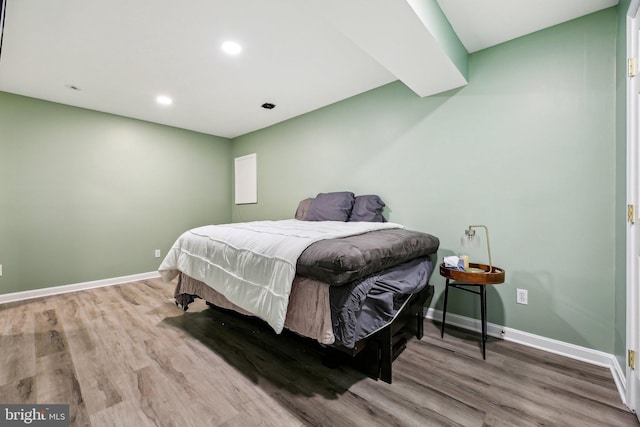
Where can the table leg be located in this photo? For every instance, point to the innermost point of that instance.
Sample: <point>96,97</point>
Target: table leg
<point>444,310</point>
<point>483,309</point>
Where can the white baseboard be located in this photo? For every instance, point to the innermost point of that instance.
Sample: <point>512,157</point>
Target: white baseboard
<point>56,290</point>
<point>573,351</point>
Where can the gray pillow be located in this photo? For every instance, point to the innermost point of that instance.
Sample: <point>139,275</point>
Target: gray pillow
<point>331,207</point>
<point>303,207</point>
<point>367,208</point>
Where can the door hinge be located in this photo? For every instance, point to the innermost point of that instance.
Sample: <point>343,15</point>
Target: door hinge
<point>631,359</point>
<point>630,214</point>
<point>631,67</point>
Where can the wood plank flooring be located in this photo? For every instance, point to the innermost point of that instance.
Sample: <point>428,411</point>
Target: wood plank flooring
<point>127,356</point>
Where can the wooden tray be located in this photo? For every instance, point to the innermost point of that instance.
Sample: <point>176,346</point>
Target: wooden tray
<point>493,277</point>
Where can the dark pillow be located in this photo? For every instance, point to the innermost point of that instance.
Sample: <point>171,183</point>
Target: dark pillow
<point>303,207</point>
<point>367,208</point>
<point>331,207</point>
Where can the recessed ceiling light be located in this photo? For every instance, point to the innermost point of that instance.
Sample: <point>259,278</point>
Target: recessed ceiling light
<point>164,100</point>
<point>232,48</point>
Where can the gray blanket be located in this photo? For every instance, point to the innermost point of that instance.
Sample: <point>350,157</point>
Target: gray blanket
<point>340,261</point>
<point>365,305</point>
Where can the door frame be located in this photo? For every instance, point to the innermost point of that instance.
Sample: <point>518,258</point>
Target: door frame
<point>632,234</point>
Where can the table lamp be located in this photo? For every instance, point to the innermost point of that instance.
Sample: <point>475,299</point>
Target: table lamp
<point>469,240</point>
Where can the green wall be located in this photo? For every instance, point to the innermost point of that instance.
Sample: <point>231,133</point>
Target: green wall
<point>528,148</point>
<point>533,147</point>
<point>87,196</point>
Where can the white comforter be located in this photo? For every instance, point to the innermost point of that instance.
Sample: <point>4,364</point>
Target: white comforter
<point>253,263</point>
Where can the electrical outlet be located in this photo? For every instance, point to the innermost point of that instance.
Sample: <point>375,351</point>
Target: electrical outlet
<point>157,253</point>
<point>0,269</point>
<point>522,296</point>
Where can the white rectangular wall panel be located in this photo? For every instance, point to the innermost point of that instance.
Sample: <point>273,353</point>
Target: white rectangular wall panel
<point>246,179</point>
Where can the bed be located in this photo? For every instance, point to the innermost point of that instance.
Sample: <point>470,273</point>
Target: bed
<point>338,273</point>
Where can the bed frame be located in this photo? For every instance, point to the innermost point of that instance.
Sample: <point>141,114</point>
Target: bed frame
<point>373,355</point>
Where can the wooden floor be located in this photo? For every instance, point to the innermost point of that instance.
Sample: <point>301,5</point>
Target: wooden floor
<point>127,356</point>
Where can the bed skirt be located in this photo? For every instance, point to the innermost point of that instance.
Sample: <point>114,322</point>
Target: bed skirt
<point>309,312</point>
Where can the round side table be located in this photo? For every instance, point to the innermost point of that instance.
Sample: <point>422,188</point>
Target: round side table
<point>475,283</point>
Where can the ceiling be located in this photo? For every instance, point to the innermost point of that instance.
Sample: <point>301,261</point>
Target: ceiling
<point>117,56</point>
